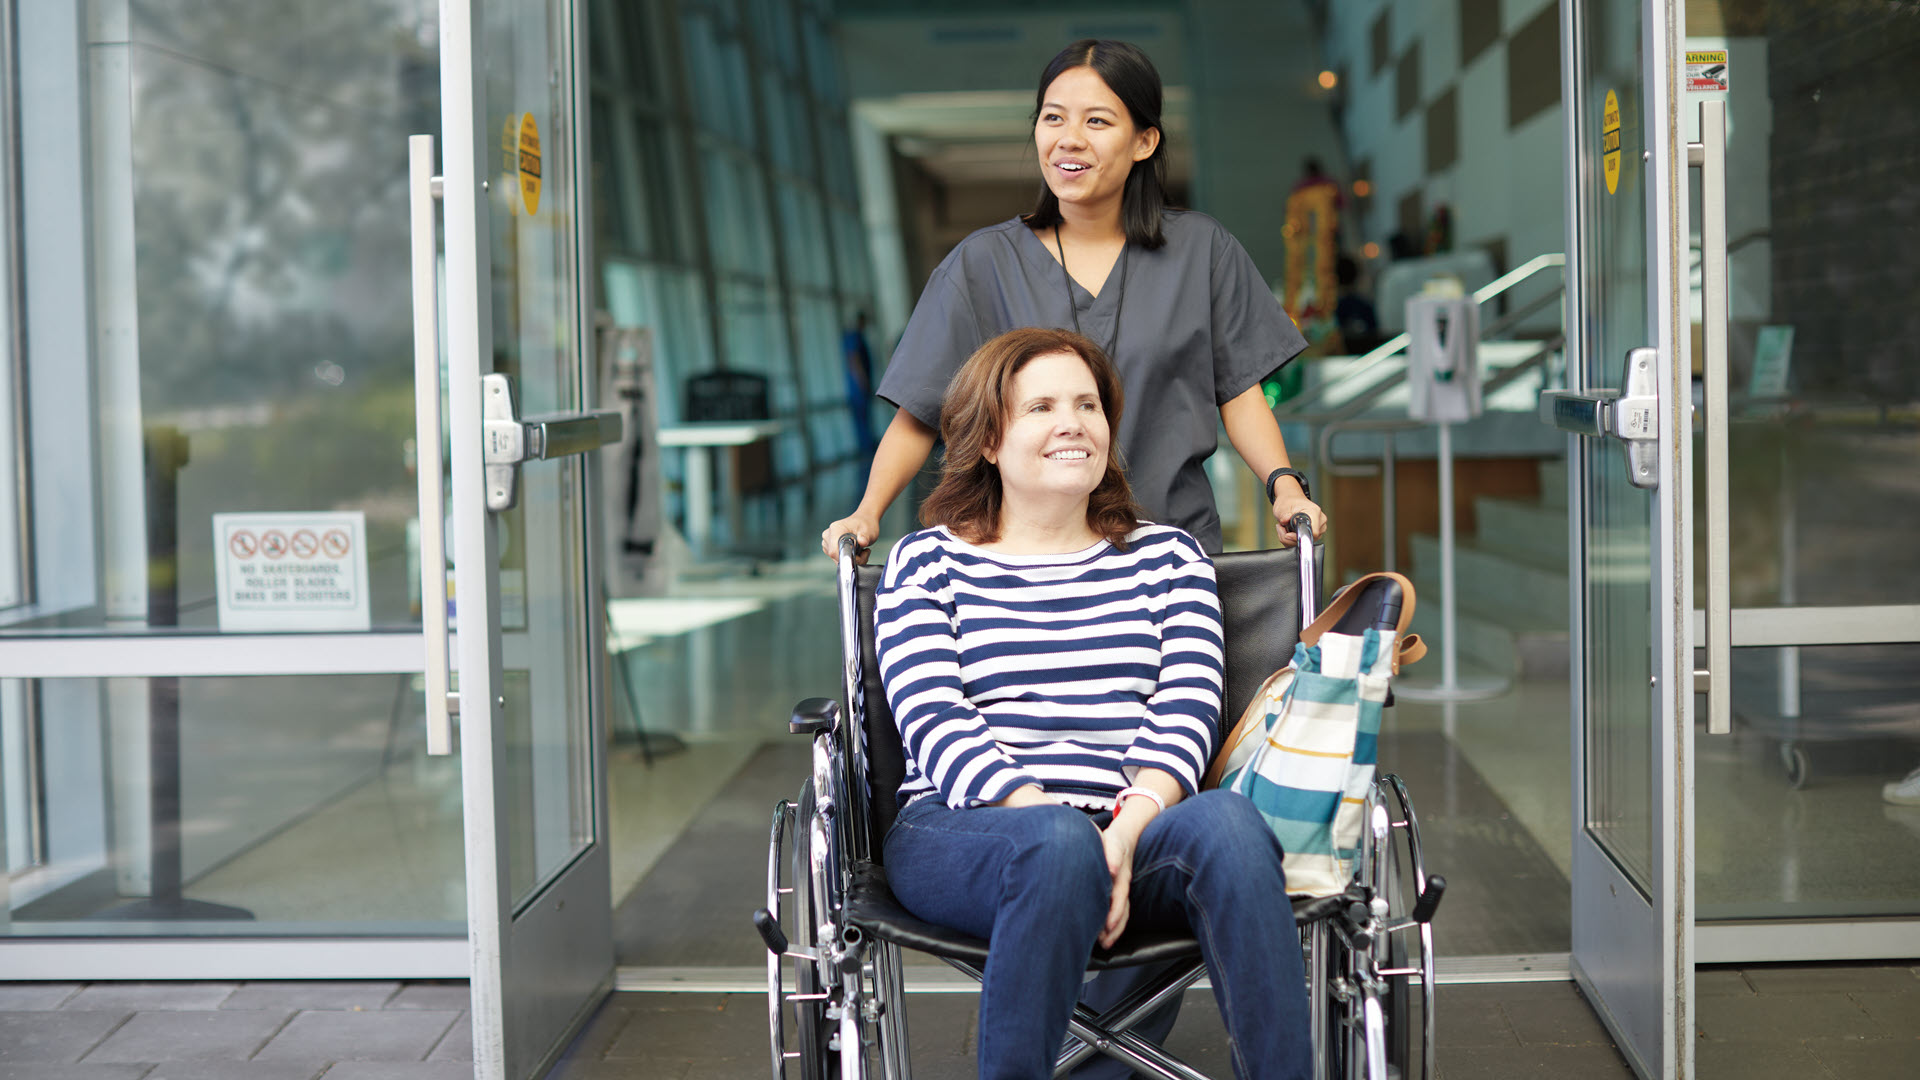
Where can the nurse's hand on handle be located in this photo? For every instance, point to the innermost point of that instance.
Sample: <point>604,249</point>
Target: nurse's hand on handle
<point>1288,501</point>
<point>864,529</point>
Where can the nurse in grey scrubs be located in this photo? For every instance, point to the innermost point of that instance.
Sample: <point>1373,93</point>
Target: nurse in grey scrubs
<point>1170,294</point>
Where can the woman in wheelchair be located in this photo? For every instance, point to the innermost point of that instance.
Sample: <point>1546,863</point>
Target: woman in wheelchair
<point>1054,665</point>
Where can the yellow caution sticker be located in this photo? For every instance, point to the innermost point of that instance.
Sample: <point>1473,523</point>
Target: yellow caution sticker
<point>530,163</point>
<point>1610,143</point>
<point>1707,70</point>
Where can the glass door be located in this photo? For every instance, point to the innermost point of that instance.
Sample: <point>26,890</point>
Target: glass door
<point>1632,674</point>
<point>525,598</point>
<point>209,632</point>
<point>1809,825</point>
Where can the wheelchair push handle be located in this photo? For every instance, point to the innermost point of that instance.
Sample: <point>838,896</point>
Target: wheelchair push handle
<point>1302,527</point>
<point>847,546</point>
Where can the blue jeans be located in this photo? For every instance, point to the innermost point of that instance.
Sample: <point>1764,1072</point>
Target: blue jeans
<point>1034,883</point>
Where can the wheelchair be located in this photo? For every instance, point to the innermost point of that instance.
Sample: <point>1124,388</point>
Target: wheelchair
<point>829,914</point>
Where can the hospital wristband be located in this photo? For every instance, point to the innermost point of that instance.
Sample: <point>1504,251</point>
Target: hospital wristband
<point>1152,795</point>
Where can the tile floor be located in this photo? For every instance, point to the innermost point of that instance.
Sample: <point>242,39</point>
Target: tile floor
<point>234,1031</point>
<point>1789,1021</point>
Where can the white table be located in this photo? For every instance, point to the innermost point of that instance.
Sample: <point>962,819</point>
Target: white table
<point>712,436</point>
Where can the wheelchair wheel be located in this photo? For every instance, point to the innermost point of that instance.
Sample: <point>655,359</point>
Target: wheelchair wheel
<point>1409,1005</point>
<point>770,916</point>
<point>1402,1013</point>
<point>813,1029</point>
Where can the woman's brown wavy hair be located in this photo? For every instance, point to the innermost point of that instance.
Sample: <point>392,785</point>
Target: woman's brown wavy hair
<point>973,419</point>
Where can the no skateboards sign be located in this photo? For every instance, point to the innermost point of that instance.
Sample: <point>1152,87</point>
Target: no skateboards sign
<point>292,571</point>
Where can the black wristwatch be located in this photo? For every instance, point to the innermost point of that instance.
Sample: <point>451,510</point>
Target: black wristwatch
<point>1285,471</point>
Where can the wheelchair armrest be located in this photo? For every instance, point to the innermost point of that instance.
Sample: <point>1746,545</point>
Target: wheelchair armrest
<point>814,715</point>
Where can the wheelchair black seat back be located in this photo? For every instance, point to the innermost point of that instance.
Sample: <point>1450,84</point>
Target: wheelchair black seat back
<point>1263,623</point>
<point>832,915</point>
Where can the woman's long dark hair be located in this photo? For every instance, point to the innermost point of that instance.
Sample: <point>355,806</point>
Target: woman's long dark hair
<point>1133,79</point>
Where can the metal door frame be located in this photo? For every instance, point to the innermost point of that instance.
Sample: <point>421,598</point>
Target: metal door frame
<point>578,950</point>
<point>1645,1006</point>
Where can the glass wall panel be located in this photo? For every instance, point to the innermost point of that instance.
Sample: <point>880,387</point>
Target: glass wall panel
<point>1792,822</point>
<point>1811,807</point>
<point>703,153</point>
<point>229,806</point>
<point>674,304</point>
<point>245,237</point>
<point>756,334</point>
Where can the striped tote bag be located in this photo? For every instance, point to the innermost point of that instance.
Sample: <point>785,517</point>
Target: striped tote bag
<point>1310,772</point>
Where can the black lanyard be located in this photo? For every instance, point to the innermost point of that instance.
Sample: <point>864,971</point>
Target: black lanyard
<point>1119,303</point>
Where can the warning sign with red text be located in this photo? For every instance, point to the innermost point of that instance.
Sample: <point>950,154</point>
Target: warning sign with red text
<point>1707,70</point>
<point>292,571</point>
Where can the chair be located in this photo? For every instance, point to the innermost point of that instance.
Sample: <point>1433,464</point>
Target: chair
<point>829,910</point>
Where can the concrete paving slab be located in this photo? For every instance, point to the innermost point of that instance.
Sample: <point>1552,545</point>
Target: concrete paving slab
<point>1899,1014</point>
<point>1199,1036</point>
<point>1868,1059</point>
<point>1559,1062</point>
<point>1783,1018</point>
<point>73,1072</point>
<point>154,1037</point>
<point>1831,978</point>
<point>942,1026</point>
<point>233,1070</point>
<point>690,1033</point>
<point>150,997</point>
<point>729,1069</point>
<point>447,996</point>
<point>1556,1015</point>
<point>396,1035</point>
<point>32,997</point>
<point>630,1069</point>
<point>363,994</point>
<point>604,1027</point>
<point>1472,1016</point>
<point>1721,982</point>
<point>398,1070</point>
<point>53,1037</point>
<point>457,1043</point>
<point>1755,1061</point>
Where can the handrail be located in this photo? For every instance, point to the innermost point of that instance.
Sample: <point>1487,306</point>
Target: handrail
<point>1512,374</point>
<point>1324,463</point>
<point>1507,377</point>
<point>1395,344</point>
<point>1360,402</point>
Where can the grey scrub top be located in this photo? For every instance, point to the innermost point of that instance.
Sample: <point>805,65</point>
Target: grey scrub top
<point>1198,328</point>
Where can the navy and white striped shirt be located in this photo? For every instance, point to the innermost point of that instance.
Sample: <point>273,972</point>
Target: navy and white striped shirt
<point>1068,671</point>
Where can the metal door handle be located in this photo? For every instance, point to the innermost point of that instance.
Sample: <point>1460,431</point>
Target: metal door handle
<point>1631,416</point>
<point>422,188</point>
<point>1710,155</point>
<point>509,440</point>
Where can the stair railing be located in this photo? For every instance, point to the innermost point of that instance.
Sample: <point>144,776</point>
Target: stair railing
<point>1325,463</point>
<point>1297,409</point>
